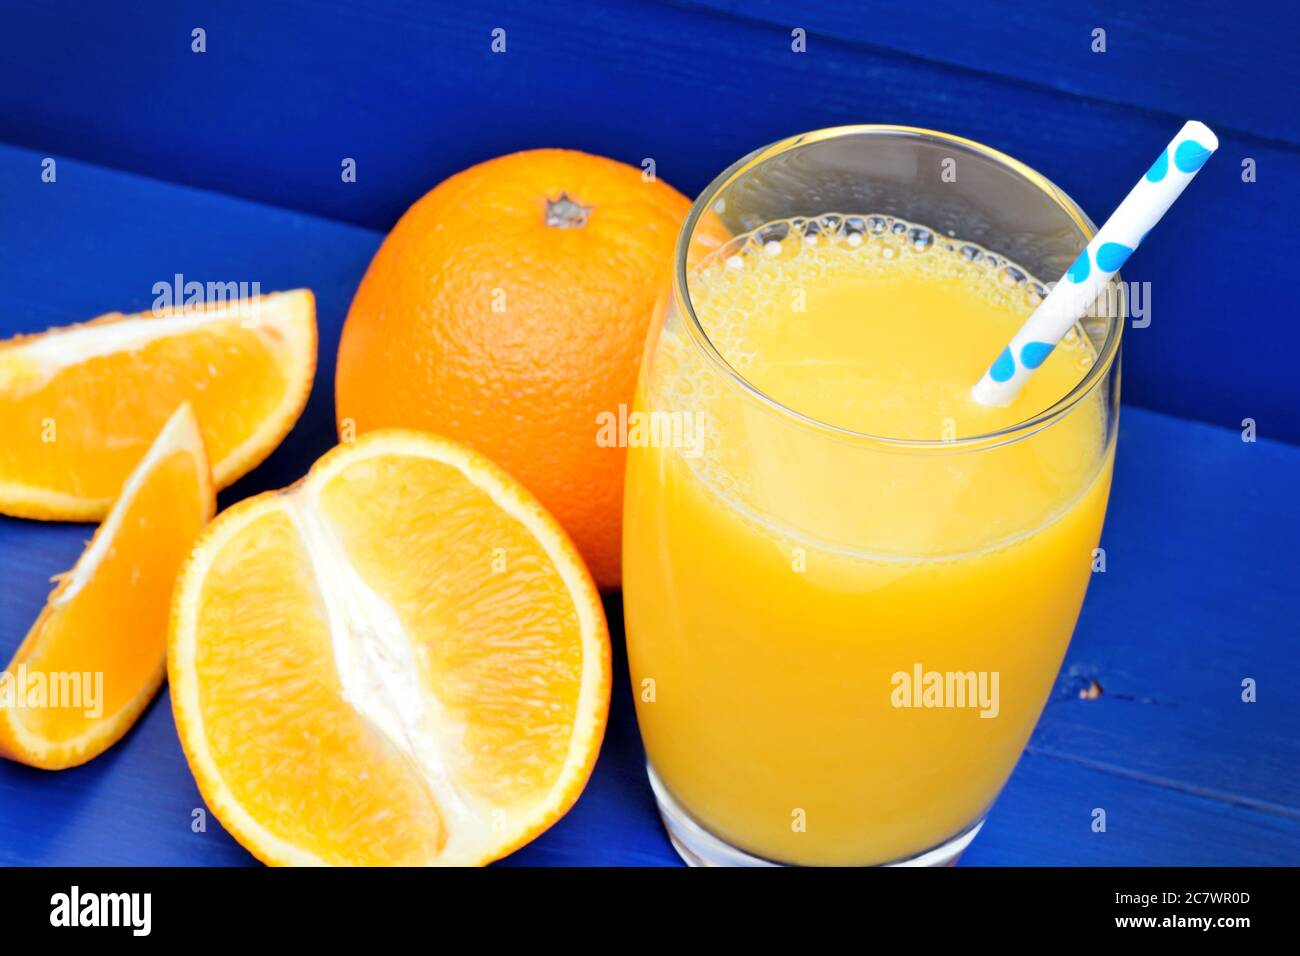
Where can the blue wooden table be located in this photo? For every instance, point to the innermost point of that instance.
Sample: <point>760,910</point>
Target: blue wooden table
<point>224,165</point>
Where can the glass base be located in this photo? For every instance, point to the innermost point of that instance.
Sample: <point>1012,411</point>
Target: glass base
<point>698,847</point>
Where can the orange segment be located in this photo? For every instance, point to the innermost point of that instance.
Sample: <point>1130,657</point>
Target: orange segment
<point>81,404</point>
<point>98,647</point>
<point>272,705</point>
<point>399,660</point>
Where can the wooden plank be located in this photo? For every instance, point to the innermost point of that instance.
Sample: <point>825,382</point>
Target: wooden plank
<point>1045,818</point>
<point>1197,597</point>
<point>1234,66</point>
<point>413,93</point>
<point>1201,561</point>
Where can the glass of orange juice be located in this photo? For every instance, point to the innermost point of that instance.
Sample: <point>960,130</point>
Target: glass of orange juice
<point>848,588</point>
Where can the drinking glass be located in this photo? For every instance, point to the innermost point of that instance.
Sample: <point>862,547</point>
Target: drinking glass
<point>783,577</point>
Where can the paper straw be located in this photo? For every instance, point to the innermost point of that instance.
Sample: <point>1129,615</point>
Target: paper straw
<point>1115,241</point>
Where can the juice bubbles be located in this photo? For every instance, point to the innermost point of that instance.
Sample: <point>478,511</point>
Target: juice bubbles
<point>839,644</point>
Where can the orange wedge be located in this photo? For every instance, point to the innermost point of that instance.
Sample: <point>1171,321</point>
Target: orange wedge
<point>95,656</point>
<point>400,660</point>
<point>81,404</point>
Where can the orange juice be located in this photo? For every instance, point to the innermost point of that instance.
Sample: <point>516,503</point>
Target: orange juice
<point>847,602</point>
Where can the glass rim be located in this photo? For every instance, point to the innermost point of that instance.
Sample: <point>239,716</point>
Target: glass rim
<point>1014,432</point>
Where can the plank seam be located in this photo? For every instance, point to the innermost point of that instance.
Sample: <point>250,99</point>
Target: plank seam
<point>1188,789</point>
<point>1237,134</point>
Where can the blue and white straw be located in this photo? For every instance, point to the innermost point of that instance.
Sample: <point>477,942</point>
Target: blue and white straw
<point>1115,241</point>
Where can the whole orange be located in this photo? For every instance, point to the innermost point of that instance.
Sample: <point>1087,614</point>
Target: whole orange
<point>507,309</point>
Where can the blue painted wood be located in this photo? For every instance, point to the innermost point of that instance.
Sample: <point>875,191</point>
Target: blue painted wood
<point>1231,65</point>
<point>1045,818</point>
<point>1201,564</point>
<point>97,241</point>
<point>413,93</point>
<point>1201,553</point>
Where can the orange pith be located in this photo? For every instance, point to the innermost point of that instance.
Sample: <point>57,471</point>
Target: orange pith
<point>81,404</point>
<point>103,633</point>
<point>507,310</point>
<point>399,660</point>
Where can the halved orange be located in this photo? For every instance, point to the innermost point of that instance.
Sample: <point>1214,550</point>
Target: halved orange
<point>95,656</point>
<point>400,660</point>
<point>81,404</point>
